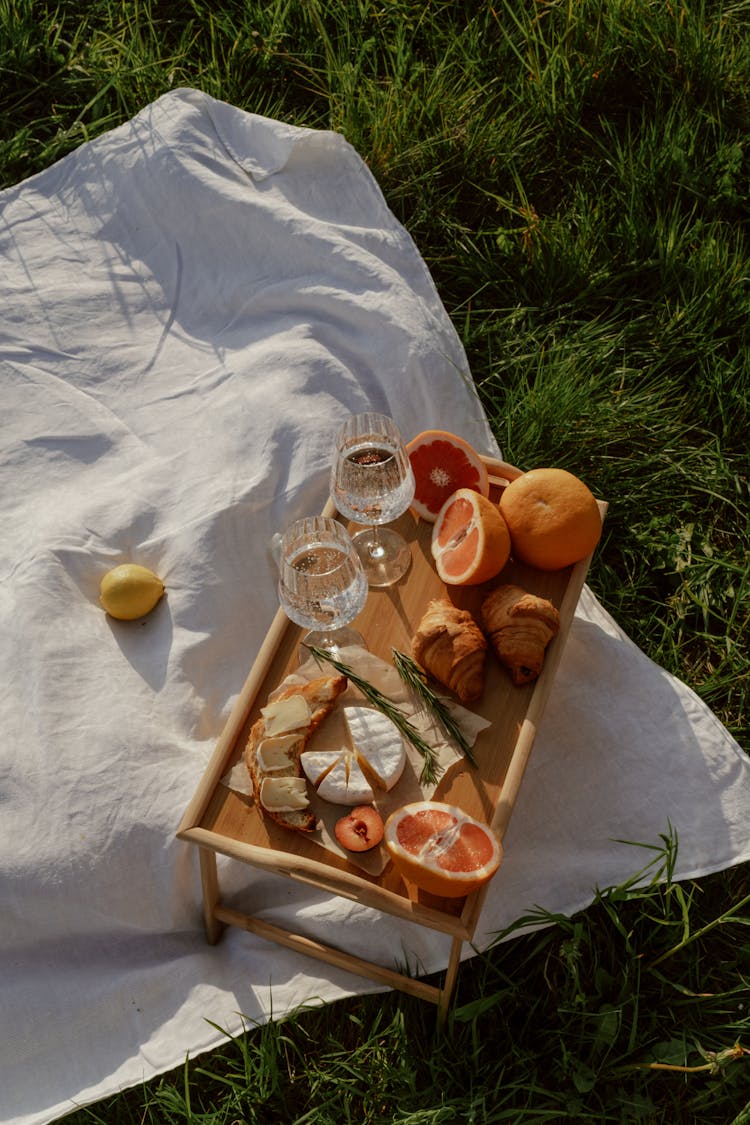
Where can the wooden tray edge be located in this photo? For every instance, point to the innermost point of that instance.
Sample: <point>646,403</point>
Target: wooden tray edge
<point>324,878</point>
<point>538,703</point>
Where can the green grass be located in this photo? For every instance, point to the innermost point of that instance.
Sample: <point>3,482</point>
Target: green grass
<point>576,176</point>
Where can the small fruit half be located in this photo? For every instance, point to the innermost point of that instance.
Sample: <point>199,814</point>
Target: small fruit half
<point>360,830</point>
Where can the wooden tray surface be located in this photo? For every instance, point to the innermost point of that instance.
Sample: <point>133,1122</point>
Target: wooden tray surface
<point>227,822</point>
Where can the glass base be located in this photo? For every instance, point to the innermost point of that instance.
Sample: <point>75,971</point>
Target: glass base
<point>385,555</point>
<point>333,639</point>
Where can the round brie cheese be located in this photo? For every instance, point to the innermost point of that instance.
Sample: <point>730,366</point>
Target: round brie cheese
<point>378,744</point>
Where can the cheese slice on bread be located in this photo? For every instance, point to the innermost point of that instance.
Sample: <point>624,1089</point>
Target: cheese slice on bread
<point>284,794</point>
<point>276,741</point>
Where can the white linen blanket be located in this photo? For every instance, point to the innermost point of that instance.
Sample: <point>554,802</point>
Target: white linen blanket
<point>190,306</point>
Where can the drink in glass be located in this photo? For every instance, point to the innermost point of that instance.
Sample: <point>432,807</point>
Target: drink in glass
<point>322,585</point>
<point>372,483</point>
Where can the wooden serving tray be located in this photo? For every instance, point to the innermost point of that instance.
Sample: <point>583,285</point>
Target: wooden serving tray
<point>220,820</point>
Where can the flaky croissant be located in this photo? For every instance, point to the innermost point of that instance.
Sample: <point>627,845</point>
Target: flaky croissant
<point>520,626</point>
<point>450,646</point>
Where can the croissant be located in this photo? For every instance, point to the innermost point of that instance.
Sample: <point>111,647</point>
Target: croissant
<point>450,646</point>
<point>520,626</point>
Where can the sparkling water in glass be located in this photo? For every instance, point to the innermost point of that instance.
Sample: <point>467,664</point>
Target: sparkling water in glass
<point>322,585</point>
<point>372,483</point>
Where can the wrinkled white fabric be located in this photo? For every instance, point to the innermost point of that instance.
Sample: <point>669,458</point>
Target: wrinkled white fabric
<point>190,306</point>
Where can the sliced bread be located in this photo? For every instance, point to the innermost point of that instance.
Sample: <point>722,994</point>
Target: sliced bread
<point>273,749</point>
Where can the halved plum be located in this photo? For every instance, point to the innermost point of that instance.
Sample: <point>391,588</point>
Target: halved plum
<point>360,830</point>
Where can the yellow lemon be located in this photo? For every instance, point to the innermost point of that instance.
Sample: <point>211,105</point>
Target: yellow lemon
<point>130,591</point>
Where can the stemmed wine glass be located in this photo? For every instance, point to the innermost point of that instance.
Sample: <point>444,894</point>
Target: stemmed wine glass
<point>322,585</point>
<point>372,483</point>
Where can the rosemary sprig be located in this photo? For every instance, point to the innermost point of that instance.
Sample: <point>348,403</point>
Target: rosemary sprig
<point>414,677</point>
<point>431,769</point>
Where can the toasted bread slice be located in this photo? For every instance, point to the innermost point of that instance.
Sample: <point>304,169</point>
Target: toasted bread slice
<point>282,750</point>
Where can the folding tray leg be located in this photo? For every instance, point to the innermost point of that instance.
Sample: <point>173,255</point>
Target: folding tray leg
<point>216,917</point>
<point>210,885</point>
<point>451,975</point>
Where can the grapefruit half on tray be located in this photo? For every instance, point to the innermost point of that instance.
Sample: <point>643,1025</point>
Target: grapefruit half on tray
<point>442,463</point>
<point>470,539</point>
<point>441,848</point>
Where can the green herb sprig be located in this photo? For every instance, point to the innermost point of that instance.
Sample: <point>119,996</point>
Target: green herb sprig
<point>431,768</point>
<point>414,677</point>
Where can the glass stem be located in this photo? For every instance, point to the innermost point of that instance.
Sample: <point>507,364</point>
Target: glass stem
<point>375,550</point>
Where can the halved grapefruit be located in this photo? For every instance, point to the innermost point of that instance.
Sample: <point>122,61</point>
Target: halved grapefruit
<point>470,539</point>
<point>441,463</point>
<point>441,849</point>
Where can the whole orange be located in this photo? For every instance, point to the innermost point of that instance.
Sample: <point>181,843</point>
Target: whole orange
<point>552,517</point>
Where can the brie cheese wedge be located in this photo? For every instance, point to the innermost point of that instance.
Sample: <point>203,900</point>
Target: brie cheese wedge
<point>352,776</point>
<point>378,745</point>
<point>317,763</point>
<point>337,777</point>
<point>345,784</point>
